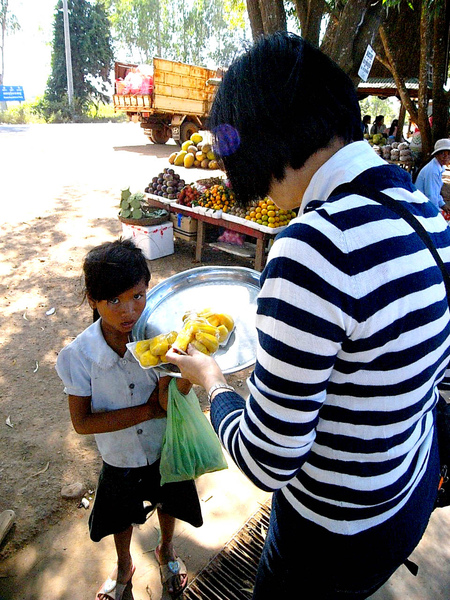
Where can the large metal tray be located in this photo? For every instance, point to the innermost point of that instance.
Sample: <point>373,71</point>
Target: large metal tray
<point>233,290</point>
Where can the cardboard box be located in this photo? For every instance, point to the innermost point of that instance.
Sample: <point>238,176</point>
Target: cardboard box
<point>184,228</point>
<point>155,241</point>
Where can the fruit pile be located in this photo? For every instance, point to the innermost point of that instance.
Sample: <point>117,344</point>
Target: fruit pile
<point>217,197</point>
<point>264,212</point>
<point>194,153</point>
<point>167,184</point>
<point>205,330</point>
<point>188,196</point>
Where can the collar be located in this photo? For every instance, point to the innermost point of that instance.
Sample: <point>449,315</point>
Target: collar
<point>346,164</point>
<point>438,165</point>
<point>95,347</point>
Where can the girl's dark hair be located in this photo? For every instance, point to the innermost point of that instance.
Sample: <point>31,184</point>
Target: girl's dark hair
<point>379,118</point>
<point>277,105</point>
<point>113,268</point>
<point>366,119</point>
<point>393,126</point>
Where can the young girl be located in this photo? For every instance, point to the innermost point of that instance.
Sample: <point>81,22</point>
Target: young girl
<point>111,396</point>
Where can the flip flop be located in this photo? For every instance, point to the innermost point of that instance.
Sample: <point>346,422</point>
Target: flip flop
<point>174,568</point>
<point>111,590</point>
<point>7,518</point>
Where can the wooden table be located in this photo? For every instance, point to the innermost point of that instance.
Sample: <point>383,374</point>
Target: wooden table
<point>261,237</point>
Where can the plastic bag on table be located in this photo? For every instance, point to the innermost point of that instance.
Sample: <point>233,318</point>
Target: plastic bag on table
<point>190,447</point>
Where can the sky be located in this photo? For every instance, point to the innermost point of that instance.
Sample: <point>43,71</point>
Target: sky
<point>28,51</point>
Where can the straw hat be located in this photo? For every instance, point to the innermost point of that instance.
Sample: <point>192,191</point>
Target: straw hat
<point>440,146</point>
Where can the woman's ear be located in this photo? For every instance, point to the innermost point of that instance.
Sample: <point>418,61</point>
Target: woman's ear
<point>92,303</point>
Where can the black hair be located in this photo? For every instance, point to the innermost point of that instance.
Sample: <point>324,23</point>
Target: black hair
<point>394,124</point>
<point>113,268</point>
<point>378,119</point>
<point>366,119</point>
<point>278,104</point>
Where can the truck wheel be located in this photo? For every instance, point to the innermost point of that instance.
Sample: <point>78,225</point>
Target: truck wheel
<point>186,130</point>
<point>159,135</point>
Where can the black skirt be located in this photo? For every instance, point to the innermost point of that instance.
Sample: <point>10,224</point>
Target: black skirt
<point>121,493</point>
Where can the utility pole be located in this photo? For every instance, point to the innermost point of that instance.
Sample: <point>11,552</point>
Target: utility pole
<point>68,54</point>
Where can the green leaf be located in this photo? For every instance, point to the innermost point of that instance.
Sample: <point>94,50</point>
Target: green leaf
<point>135,202</point>
<point>137,213</point>
<point>125,194</point>
<point>125,213</point>
<point>124,204</point>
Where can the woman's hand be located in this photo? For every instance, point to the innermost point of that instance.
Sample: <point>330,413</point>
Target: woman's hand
<point>197,367</point>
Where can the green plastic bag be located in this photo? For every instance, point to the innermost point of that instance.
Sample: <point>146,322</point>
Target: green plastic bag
<point>190,446</point>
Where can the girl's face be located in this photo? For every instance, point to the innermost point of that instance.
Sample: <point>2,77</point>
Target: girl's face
<point>120,314</point>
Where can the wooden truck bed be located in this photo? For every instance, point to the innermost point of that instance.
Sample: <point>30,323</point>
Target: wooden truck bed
<point>178,88</point>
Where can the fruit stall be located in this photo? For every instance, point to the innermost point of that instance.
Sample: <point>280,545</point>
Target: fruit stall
<point>169,206</point>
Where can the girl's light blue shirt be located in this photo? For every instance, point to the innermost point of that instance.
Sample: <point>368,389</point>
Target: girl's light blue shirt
<point>89,367</point>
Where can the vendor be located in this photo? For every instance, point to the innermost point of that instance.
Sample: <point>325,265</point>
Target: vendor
<point>429,180</point>
<point>367,119</point>
<point>378,126</point>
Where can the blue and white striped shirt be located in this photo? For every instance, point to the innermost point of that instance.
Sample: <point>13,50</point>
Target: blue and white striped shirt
<point>354,336</point>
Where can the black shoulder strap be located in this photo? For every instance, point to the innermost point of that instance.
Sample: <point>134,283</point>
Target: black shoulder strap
<point>398,208</point>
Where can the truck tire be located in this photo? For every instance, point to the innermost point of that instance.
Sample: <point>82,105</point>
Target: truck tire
<point>159,135</point>
<point>186,130</point>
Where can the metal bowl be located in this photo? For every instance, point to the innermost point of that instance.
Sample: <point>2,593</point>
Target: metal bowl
<point>233,290</point>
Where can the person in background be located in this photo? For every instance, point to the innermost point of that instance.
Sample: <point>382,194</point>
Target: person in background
<point>353,332</point>
<point>392,134</point>
<point>378,126</point>
<point>365,124</point>
<point>429,180</point>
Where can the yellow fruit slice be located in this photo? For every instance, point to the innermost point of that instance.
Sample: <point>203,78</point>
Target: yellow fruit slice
<point>210,341</point>
<point>148,359</point>
<point>201,347</point>
<point>226,320</point>
<point>223,333</point>
<point>142,347</point>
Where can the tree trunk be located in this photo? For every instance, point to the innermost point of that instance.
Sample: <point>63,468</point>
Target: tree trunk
<point>310,13</point>
<point>401,123</point>
<point>440,55</point>
<point>423,123</point>
<point>399,81</point>
<point>273,16</point>
<point>254,15</point>
<point>357,27</point>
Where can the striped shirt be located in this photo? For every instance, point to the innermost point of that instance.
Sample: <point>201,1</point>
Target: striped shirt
<point>354,336</point>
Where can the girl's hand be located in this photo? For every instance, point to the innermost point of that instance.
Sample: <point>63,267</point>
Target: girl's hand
<point>156,410</point>
<point>197,367</point>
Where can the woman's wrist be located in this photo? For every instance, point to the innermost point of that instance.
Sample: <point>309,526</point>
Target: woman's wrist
<point>217,388</point>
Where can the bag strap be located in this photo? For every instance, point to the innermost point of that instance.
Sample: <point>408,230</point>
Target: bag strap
<point>399,209</point>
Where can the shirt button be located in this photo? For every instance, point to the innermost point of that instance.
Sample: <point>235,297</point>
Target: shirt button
<point>131,386</point>
<point>139,431</point>
<point>124,361</point>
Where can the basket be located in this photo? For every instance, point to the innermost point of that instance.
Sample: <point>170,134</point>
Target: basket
<point>145,221</point>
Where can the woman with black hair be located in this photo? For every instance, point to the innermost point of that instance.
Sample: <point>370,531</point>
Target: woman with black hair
<point>378,126</point>
<point>365,124</point>
<point>353,332</point>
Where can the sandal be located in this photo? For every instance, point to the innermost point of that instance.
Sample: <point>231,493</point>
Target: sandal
<point>111,590</point>
<point>174,572</point>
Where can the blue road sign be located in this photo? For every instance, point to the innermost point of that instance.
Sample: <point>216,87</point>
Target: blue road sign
<point>11,93</point>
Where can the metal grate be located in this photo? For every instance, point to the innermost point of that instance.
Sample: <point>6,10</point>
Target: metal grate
<point>231,573</point>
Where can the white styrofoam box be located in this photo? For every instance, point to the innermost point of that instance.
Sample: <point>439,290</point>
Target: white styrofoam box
<point>155,241</point>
